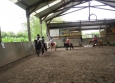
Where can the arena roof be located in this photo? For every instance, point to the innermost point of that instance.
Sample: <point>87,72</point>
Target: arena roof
<point>49,9</point>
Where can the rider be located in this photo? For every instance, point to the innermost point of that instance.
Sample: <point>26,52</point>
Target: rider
<point>43,40</point>
<point>38,37</point>
<point>68,41</point>
<point>51,41</point>
<point>44,43</point>
<point>95,38</point>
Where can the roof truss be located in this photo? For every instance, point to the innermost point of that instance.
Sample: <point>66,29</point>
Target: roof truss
<point>32,6</point>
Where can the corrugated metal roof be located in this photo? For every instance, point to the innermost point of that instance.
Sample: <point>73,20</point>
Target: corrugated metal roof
<point>62,11</point>
<point>38,5</point>
<point>43,8</point>
<point>35,5</point>
<point>108,2</point>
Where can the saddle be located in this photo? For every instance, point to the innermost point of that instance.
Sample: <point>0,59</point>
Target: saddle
<point>52,44</point>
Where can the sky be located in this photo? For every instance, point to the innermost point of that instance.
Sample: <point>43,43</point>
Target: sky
<point>12,16</point>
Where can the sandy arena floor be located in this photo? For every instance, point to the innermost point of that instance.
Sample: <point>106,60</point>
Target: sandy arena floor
<point>81,65</point>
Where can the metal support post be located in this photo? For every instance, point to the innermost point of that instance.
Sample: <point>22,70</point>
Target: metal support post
<point>106,32</point>
<point>81,34</point>
<point>41,26</point>
<point>89,10</point>
<point>47,32</point>
<point>28,26</point>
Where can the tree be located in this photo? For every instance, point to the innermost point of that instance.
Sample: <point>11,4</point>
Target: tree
<point>35,27</point>
<point>58,19</point>
<point>22,34</point>
<point>44,29</point>
<point>3,34</point>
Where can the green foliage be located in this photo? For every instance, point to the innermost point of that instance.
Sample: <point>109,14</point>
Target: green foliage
<point>14,39</point>
<point>4,34</point>
<point>44,28</point>
<point>22,36</point>
<point>35,26</point>
<point>56,20</point>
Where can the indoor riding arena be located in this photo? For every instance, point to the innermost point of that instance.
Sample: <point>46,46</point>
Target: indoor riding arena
<point>85,63</point>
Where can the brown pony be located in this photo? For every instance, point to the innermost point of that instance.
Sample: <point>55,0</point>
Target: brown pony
<point>99,42</point>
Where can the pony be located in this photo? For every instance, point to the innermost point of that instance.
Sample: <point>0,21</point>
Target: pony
<point>99,42</point>
<point>39,46</point>
<point>52,45</point>
<point>66,45</point>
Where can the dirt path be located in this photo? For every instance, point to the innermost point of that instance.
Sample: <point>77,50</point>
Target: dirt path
<point>81,65</point>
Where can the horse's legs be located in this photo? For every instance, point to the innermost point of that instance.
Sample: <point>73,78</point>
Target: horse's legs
<point>67,48</point>
<point>72,46</point>
<point>101,45</point>
<point>94,44</point>
<point>42,50</point>
<point>51,48</point>
<point>45,46</point>
<point>89,41</point>
<point>36,49</point>
<point>55,47</point>
<point>37,52</point>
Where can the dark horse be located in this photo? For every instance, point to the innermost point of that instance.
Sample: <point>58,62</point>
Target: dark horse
<point>66,45</point>
<point>39,46</point>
